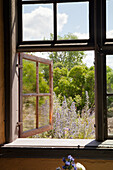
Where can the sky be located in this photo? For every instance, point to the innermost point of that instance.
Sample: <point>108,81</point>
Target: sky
<point>72,18</point>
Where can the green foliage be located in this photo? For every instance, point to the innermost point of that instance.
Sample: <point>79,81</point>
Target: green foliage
<point>29,78</point>
<point>71,77</point>
<point>90,85</point>
<point>67,58</point>
<point>109,79</point>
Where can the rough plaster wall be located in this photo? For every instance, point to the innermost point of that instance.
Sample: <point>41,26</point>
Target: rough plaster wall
<point>1,77</point>
<point>50,164</point>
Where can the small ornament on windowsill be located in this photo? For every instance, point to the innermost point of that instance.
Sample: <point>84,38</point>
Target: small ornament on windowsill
<point>70,164</point>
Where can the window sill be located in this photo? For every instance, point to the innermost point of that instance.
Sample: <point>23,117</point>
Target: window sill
<point>58,148</point>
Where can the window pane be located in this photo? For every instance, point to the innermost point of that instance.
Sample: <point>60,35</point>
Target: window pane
<point>43,111</point>
<point>37,22</point>
<point>109,72</point>
<point>110,115</point>
<point>73,18</point>
<point>109,18</point>
<point>43,78</point>
<point>29,76</point>
<point>29,113</point>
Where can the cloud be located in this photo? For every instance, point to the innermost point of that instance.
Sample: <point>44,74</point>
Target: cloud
<point>38,24</point>
<point>89,59</point>
<point>109,34</point>
<point>82,35</point>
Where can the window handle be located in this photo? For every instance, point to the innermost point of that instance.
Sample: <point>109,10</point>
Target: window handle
<point>19,123</point>
<point>19,66</point>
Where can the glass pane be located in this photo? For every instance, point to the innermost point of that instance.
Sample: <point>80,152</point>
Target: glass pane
<point>110,114</point>
<point>109,18</point>
<point>29,76</point>
<point>43,78</point>
<point>73,19</point>
<point>29,113</point>
<point>43,111</point>
<point>37,22</point>
<point>109,72</point>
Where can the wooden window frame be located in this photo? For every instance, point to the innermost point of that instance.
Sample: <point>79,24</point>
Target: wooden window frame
<point>38,129</point>
<point>56,45</point>
<point>13,45</point>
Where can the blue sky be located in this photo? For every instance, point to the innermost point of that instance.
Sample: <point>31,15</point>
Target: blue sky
<point>72,18</point>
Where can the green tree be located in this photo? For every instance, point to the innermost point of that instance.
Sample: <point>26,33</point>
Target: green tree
<point>77,85</point>
<point>29,78</point>
<point>68,58</point>
<point>90,86</point>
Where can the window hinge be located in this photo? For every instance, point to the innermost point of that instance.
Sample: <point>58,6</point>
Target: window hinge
<point>19,123</point>
<point>19,66</point>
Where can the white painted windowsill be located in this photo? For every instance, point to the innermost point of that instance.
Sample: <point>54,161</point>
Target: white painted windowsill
<point>58,148</point>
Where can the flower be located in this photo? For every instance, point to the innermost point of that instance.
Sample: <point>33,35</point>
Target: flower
<point>70,158</point>
<point>64,160</point>
<point>70,164</point>
<point>67,163</point>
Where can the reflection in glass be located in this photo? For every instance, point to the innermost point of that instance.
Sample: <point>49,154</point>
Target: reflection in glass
<point>109,18</point>
<point>37,22</point>
<point>73,18</point>
<point>29,113</point>
<point>43,111</point>
<point>109,73</point>
<point>29,76</point>
<point>110,114</point>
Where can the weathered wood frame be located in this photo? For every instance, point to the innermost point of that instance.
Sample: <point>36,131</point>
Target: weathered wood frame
<point>37,95</point>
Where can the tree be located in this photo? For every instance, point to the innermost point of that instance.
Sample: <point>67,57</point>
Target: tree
<point>77,85</point>
<point>90,86</point>
<point>29,78</point>
<point>68,58</point>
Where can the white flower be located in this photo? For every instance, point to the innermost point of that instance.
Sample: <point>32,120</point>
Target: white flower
<point>80,166</point>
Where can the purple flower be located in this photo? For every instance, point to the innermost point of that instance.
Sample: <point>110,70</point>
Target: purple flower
<point>64,160</point>
<point>70,158</point>
<point>64,167</point>
<point>73,165</point>
<point>67,163</point>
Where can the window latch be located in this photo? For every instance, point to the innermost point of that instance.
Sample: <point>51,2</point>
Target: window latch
<point>19,123</point>
<point>19,66</point>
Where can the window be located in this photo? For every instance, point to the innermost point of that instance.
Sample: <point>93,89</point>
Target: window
<point>36,98</point>
<point>96,40</point>
<point>54,21</point>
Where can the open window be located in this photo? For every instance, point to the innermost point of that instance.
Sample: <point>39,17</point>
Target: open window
<point>33,97</point>
<point>96,40</point>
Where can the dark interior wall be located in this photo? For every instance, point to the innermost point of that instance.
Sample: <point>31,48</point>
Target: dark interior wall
<point>2,102</point>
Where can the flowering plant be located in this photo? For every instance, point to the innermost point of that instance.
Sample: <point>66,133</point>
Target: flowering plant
<point>70,164</point>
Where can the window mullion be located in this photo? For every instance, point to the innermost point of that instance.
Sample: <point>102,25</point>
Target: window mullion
<point>51,92</point>
<point>20,21</point>
<point>37,91</point>
<point>55,21</point>
<point>20,96</point>
<point>99,71</point>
